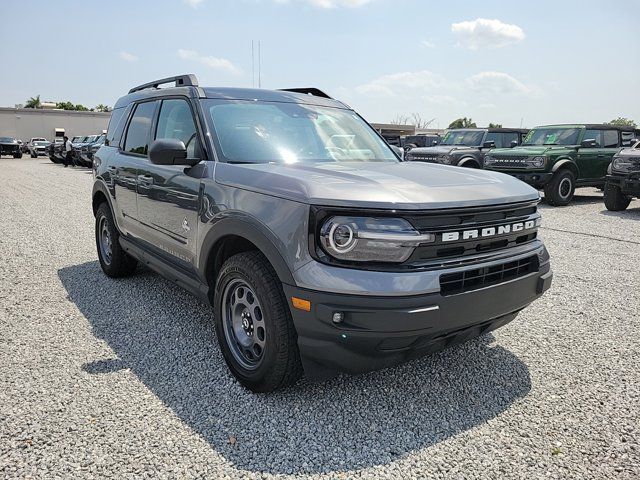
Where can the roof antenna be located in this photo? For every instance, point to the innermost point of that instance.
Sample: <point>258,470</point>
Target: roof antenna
<point>259,66</point>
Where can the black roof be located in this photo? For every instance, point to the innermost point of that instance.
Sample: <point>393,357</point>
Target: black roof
<point>187,85</point>
<point>493,130</point>
<point>593,126</point>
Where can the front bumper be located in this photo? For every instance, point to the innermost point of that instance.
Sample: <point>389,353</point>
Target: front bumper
<point>535,179</point>
<point>378,332</point>
<point>629,184</point>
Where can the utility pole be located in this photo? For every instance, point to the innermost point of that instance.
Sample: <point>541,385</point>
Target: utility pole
<point>259,66</point>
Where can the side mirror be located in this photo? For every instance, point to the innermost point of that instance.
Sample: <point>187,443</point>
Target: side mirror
<point>489,144</point>
<point>170,151</point>
<point>589,143</point>
<point>514,143</point>
<point>434,142</point>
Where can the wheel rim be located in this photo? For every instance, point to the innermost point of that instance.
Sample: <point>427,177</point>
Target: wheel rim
<point>104,238</point>
<point>243,324</point>
<point>564,189</point>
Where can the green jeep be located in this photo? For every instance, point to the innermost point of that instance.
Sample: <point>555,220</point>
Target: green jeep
<point>559,158</point>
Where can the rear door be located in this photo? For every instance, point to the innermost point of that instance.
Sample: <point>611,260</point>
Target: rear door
<point>169,195</point>
<point>589,158</point>
<point>131,155</point>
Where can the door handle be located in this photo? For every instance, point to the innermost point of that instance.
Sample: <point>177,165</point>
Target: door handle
<point>148,179</point>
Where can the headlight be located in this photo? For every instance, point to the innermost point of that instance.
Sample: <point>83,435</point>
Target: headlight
<point>366,239</point>
<point>626,164</point>
<point>538,162</point>
<point>489,160</point>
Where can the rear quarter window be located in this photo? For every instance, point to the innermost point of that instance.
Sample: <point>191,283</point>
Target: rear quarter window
<point>116,125</point>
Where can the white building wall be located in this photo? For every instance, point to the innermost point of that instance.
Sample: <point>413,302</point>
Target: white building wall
<point>25,123</point>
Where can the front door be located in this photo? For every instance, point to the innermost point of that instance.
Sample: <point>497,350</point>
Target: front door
<point>589,158</point>
<point>124,170</point>
<point>169,195</point>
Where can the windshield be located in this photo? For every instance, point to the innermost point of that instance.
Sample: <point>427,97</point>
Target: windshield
<point>6,139</point>
<point>273,132</point>
<point>39,144</point>
<point>552,136</point>
<point>467,138</point>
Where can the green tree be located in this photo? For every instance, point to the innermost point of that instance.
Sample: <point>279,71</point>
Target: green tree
<point>102,108</point>
<point>33,102</point>
<point>81,108</point>
<point>71,106</point>
<point>463,122</point>
<point>495,125</point>
<point>623,122</point>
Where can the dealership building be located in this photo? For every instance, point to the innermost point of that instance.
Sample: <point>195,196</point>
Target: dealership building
<point>25,123</point>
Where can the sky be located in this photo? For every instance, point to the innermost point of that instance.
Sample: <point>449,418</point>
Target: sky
<point>508,62</point>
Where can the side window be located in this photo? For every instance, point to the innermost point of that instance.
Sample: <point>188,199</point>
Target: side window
<point>627,138</point>
<point>176,121</point>
<point>593,135</point>
<point>610,139</point>
<point>139,131</point>
<point>495,137</point>
<point>510,137</point>
<point>113,132</point>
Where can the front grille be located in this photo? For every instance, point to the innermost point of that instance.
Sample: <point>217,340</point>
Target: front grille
<point>479,218</point>
<point>423,158</point>
<point>510,157</point>
<point>510,161</point>
<point>468,280</point>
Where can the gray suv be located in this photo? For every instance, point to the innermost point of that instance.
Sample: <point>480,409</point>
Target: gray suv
<point>467,147</point>
<point>320,251</point>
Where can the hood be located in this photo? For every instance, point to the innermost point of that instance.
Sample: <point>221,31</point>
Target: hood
<point>533,150</point>
<point>440,150</point>
<point>628,152</point>
<point>388,185</point>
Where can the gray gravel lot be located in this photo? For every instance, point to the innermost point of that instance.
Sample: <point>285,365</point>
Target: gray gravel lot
<point>103,378</point>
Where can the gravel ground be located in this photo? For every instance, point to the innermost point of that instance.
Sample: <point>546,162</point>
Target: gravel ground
<point>104,378</point>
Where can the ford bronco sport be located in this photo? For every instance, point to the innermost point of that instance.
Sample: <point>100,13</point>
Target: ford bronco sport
<point>559,158</point>
<point>320,251</point>
<point>623,179</point>
<point>466,147</point>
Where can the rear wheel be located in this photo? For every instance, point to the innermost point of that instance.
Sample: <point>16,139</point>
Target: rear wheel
<point>559,191</point>
<point>254,325</point>
<point>115,262</point>
<point>614,199</point>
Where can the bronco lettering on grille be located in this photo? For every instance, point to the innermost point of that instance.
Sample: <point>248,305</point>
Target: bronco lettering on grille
<point>488,231</point>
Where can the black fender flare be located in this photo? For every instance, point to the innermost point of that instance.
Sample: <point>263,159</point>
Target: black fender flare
<point>100,186</point>
<point>566,163</point>
<point>465,160</point>
<point>255,232</point>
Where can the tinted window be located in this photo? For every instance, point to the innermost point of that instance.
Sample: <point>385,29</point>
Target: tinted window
<point>593,135</point>
<point>139,129</point>
<point>627,138</point>
<point>552,136</point>
<point>116,117</point>
<point>610,139</point>
<point>469,138</point>
<point>176,121</point>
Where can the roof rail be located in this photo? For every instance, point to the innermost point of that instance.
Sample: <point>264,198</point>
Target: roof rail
<point>316,92</point>
<point>189,80</point>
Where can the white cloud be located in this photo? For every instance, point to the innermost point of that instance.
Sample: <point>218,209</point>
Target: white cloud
<point>216,63</point>
<point>496,83</point>
<point>486,33</point>
<point>428,44</point>
<point>405,83</point>
<point>193,3</point>
<point>128,57</point>
<point>329,3</point>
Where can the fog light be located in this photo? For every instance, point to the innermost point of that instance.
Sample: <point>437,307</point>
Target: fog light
<point>338,317</point>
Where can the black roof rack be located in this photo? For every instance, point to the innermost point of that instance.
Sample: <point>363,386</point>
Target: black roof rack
<point>316,92</point>
<point>189,80</point>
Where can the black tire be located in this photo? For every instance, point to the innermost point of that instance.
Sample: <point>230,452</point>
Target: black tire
<point>614,199</point>
<point>468,163</point>
<point>34,156</point>
<point>278,364</point>
<point>115,263</point>
<point>559,191</point>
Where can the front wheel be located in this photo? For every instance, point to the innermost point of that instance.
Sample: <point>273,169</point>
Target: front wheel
<point>614,199</point>
<point>559,191</point>
<point>115,262</point>
<point>254,325</point>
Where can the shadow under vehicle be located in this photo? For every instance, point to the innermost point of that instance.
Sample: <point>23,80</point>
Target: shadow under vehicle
<point>320,251</point>
<point>467,147</point>
<point>623,179</point>
<point>166,339</point>
<point>560,158</point>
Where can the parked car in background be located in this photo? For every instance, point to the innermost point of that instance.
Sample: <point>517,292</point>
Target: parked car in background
<point>414,141</point>
<point>559,158</point>
<point>56,150</point>
<point>89,147</point>
<point>38,148</point>
<point>10,146</point>
<point>623,179</point>
<point>467,147</point>
<point>319,250</point>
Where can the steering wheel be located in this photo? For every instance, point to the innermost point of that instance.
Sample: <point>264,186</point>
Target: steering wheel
<point>337,153</point>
